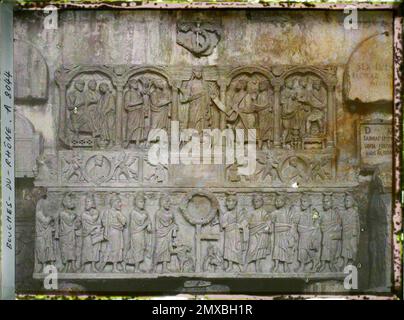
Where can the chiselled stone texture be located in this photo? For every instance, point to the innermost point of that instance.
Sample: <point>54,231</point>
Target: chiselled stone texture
<point>124,215</point>
<point>120,80</point>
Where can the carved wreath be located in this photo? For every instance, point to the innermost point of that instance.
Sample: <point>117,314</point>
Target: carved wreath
<point>194,218</point>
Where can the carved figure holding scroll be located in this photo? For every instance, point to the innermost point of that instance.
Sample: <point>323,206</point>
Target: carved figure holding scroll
<point>44,231</point>
<point>195,96</point>
<point>309,245</point>
<point>350,230</point>
<point>235,234</point>
<point>330,223</point>
<point>160,102</point>
<point>284,235</point>
<point>140,229</point>
<point>113,221</point>
<point>79,119</point>
<point>66,232</point>
<point>92,234</point>
<point>136,114</point>
<point>107,111</point>
<point>259,227</point>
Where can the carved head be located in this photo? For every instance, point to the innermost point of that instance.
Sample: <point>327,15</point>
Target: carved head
<point>327,201</point>
<point>104,88</point>
<point>92,85</point>
<point>231,201</point>
<point>348,201</point>
<point>316,84</point>
<point>68,201</point>
<point>293,162</point>
<point>305,202</point>
<point>140,200</point>
<point>289,83</point>
<point>264,85</point>
<point>280,201</point>
<point>197,73</point>
<point>241,85</point>
<point>115,202</point>
<point>133,84</point>
<point>303,83</point>
<point>160,84</point>
<point>89,202</point>
<point>258,201</point>
<point>165,202</point>
<point>99,160</point>
<point>79,85</point>
<point>252,86</point>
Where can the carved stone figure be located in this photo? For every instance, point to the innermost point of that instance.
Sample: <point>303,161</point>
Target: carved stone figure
<point>113,221</point>
<point>165,232</point>
<point>350,230</point>
<point>91,103</point>
<point>73,168</point>
<point>185,257</point>
<point>234,226</point>
<point>319,170</point>
<point>136,114</point>
<point>123,167</point>
<point>92,234</point>
<point>269,169</point>
<point>106,108</point>
<point>330,223</point>
<point>284,235</point>
<point>140,228</point>
<point>289,109</point>
<point>66,232</point>
<point>245,107</point>
<point>44,240</point>
<point>43,169</point>
<point>259,227</point>
<point>79,118</point>
<point>160,102</point>
<point>309,245</point>
<point>265,119</point>
<point>317,101</point>
<point>194,96</point>
<point>213,261</point>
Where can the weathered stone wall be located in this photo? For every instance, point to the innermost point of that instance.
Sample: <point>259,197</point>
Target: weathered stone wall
<point>271,42</point>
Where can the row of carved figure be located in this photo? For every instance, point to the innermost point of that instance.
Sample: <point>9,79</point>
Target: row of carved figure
<point>289,238</point>
<point>148,100</point>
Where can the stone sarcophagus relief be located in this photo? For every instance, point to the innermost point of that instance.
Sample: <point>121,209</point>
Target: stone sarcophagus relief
<point>196,233</point>
<point>280,209</point>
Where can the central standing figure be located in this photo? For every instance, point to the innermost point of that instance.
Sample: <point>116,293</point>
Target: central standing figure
<point>114,221</point>
<point>166,232</point>
<point>234,226</point>
<point>140,228</point>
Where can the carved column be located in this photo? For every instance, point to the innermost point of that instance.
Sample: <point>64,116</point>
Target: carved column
<point>330,116</point>
<point>277,114</point>
<point>119,113</point>
<point>62,117</point>
<point>222,119</point>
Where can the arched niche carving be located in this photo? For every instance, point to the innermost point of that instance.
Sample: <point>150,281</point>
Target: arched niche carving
<point>31,73</point>
<point>250,101</point>
<point>306,108</point>
<point>29,144</point>
<point>147,104</point>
